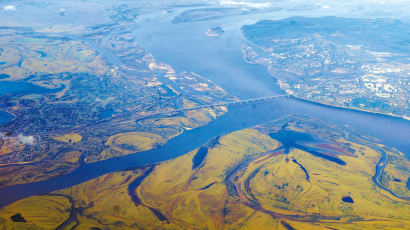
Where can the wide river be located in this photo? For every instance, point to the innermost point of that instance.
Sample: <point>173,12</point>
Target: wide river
<point>186,48</point>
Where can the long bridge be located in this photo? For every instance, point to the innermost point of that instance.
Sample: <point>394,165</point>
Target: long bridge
<point>227,103</point>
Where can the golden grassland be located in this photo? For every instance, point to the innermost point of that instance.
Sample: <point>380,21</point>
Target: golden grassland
<point>128,143</point>
<point>70,156</point>
<point>68,138</point>
<point>156,132</point>
<point>10,145</point>
<point>106,201</point>
<point>396,174</point>
<point>102,203</point>
<point>245,182</point>
<point>139,140</point>
<point>106,204</point>
<point>174,188</point>
<point>279,188</point>
<point>39,212</point>
<point>159,130</point>
<point>26,172</point>
<point>285,187</point>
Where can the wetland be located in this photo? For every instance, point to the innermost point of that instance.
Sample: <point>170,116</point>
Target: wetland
<point>94,118</point>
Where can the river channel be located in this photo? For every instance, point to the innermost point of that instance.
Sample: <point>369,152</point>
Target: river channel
<point>186,48</point>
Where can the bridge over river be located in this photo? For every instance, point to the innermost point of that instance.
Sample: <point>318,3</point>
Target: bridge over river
<point>244,101</point>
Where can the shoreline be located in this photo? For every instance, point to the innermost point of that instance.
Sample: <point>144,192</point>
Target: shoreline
<point>390,115</point>
<point>406,118</point>
<point>352,109</point>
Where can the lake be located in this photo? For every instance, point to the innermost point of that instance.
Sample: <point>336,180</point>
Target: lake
<point>13,89</point>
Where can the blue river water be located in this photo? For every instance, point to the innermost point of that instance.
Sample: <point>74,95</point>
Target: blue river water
<point>239,117</point>
<point>185,47</point>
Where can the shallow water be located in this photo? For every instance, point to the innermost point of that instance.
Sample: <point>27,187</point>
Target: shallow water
<point>5,117</point>
<point>12,89</point>
<point>238,117</point>
<point>186,48</point>
<point>19,88</point>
